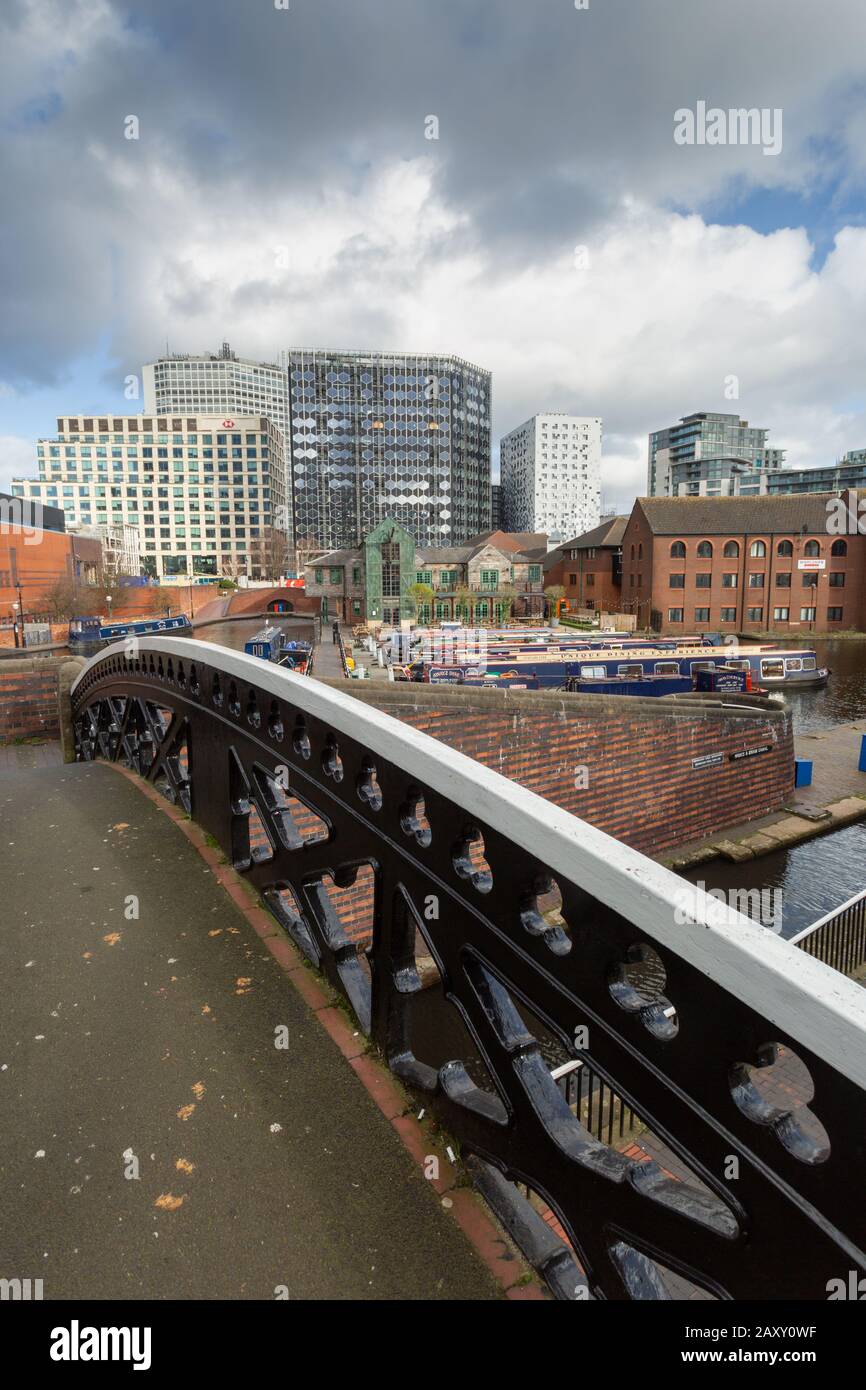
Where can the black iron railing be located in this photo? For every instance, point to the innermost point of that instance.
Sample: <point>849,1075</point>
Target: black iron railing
<point>744,1057</point>
<point>839,939</point>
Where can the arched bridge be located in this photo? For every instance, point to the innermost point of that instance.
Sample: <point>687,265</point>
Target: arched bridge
<point>533,981</point>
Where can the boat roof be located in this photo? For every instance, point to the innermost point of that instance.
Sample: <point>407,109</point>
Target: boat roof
<point>590,654</point>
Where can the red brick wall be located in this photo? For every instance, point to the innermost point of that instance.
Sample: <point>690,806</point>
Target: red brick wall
<point>648,566</point>
<point>638,753</point>
<point>638,576</point>
<point>29,700</point>
<point>587,580</point>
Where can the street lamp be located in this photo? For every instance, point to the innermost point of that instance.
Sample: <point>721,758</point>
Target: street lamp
<point>14,607</point>
<point>20,606</point>
<point>108,600</point>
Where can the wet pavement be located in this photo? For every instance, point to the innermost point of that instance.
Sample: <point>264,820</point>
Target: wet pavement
<point>155,1142</point>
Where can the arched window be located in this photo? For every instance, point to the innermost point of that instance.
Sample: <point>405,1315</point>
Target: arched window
<point>640,551</point>
<point>678,550</point>
<point>757,550</point>
<point>705,550</point>
<point>632,552</point>
<point>784,548</point>
<point>839,548</point>
<point>732,550</point>
<point>811,548</point>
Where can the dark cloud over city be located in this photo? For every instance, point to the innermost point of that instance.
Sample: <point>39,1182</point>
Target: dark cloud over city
<point>282,190</point>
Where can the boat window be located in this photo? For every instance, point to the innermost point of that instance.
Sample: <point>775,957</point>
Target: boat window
<point>737,665</point>
<point>593,672</point>
<point>667,668</point>
<point>809,663</point>
<point>703,666</point>
<point>633,669</point>
<point>793,663</point>
<point>774,668</point>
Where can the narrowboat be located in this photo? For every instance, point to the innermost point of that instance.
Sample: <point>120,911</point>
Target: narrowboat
<point>271,644</point>
<point>763,667</point>
<point>90,634</point>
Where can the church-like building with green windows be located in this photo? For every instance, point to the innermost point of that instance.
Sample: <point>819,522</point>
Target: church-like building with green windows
<point>387,580</point>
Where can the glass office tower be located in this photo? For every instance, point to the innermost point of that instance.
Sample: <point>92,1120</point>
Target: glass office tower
<point>376,435</point>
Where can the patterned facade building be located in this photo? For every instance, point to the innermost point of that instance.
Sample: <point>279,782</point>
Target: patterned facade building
<point>376,435</point>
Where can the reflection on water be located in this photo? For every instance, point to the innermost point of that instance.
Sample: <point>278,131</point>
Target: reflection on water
<point>239,631</point>
<point>813,878</point>
<point>843,699</point>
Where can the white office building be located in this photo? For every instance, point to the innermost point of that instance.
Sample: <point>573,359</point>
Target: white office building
<point>205,493</point>
<point>550,474</point>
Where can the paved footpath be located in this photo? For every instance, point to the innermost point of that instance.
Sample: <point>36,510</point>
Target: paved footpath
<point>154,1037</point>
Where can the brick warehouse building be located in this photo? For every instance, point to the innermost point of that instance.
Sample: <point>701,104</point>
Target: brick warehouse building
<point>589,567</point>
<point>32,561</point>
<point>732,564</point>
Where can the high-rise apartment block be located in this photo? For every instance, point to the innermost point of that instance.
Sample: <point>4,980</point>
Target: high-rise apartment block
<point>204,492</point>
<point>550,472</point>
<point>704,454</point>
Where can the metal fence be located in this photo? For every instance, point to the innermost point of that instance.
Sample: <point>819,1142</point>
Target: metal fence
<point>839,938</point>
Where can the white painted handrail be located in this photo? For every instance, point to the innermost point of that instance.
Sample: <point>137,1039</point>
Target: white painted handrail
<point>807,1000</point>
<point>828,917</point>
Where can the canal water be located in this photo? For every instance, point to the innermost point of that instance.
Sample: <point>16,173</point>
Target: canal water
<point>843,698</point>
<point>238,631</point>
<point>813,878</point>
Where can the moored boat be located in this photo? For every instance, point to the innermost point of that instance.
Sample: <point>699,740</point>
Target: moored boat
<point>272,644</point>
<point>90,634</point>
<point>593,667</point>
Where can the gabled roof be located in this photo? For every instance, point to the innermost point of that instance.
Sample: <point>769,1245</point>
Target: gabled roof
<point>716,516</point>
<point>609,532</point>
<point>511,540</point>
<point>333,557</point>
<point>443,554</point>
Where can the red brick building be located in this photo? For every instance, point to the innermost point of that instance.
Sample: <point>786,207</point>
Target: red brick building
<point>734,564</point>
<point>32,561</point>
<point>589,568</point>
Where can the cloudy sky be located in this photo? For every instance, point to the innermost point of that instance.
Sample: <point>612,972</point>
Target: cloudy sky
<point>283,191</point>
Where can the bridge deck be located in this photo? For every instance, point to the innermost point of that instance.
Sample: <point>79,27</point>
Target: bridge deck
<point>258,1167</point>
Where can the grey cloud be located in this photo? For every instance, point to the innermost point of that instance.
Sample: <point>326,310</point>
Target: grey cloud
<point>549,117</point>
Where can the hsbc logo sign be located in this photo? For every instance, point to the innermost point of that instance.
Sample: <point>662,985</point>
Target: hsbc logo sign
<point>228,424</point>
